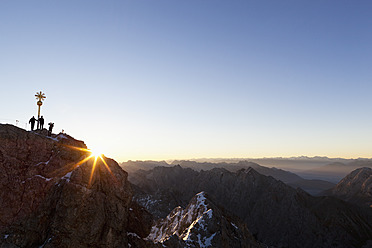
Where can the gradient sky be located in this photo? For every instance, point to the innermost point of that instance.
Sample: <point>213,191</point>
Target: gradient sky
<point>193,79</point>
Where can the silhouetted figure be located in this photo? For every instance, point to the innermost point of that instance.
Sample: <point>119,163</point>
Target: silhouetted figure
<point>41,122</point>
<point>32,121</point>
<point>51,125</point>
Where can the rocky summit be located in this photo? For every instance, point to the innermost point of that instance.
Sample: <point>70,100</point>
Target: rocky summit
<point>54,194</point>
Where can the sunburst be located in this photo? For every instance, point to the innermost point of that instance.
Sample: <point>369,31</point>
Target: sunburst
<point>95,155</point>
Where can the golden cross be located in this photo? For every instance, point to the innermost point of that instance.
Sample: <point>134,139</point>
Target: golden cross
<point>40,96</point>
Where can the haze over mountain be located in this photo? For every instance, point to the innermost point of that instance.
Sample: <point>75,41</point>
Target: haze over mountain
<point>356,187</point>
<point>334,172</point>
<point>311,186</point>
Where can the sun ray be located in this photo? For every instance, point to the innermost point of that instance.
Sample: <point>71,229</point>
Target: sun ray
<point>93,169</point>
<point>82,161</point>
<point>78,148</point>
<point>93,154</point>
<point>103,160</point>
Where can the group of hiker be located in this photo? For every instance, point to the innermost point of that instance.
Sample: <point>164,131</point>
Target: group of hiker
<point>40,124</point>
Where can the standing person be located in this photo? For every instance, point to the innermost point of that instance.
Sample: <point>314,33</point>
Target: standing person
<point>41,122</point>
<point>32,121</point>
<point>51,125</point>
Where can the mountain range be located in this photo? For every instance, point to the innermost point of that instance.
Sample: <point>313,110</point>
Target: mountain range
<point>54,193</point>
<point>275,213</point>
<point>312,186</point>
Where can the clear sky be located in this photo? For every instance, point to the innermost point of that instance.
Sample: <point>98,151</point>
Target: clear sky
<point>193,79</point>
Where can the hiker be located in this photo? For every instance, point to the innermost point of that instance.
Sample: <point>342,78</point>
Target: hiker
<point>51,125</point>
<point>32,121</point>
<point>41,122</point>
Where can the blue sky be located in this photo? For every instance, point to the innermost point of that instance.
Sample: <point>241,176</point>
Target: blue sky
<point>191,79</point>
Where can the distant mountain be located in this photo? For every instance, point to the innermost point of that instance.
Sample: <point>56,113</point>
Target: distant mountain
<point>201,224</point>
<point>292,163</point>
<point>310,186</point>
<point>334,172</point>
<point>356,187</point>
<point>313,187</point>
<point>276,214</point>
<point>132,166</point>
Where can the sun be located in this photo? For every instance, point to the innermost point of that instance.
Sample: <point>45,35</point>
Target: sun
<point>95,152</point>
<point>96,155</point>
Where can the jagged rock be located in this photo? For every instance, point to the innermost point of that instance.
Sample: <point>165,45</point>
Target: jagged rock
<point>50,198</point>
<point>140,220</point>
<point>275,213</point>
<point>201,224</point>
<point>356,187</point>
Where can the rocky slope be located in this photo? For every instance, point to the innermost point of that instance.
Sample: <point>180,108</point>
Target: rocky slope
<point>275,213</point>
<point>53,194</point>
<point>355,187</point>
<point>201,224</point>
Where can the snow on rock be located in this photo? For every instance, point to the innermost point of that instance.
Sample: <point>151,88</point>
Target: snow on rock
<point>147,201</point>
<point>182,222</point>
<point>37,176</point>
<point>46,179</point>
<point>67,176</point>
<point>234,225</point>
<point>200,224</point>
<point>133,234</point>
<point>191,225</point>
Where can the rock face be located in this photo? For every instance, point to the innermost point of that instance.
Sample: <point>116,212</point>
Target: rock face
<point>201,224</point>
<point>53,194</point>
<point>276,214</point>
<point>355,187</point>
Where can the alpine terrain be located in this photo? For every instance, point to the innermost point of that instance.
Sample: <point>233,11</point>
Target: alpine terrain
<point>356,187</point>
<point>56,193</point>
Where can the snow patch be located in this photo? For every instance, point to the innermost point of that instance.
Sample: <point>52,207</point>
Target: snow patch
<point>47,162</point>
<point>207,241</point>
<point>234,225</point>
<point>209,213</point>
<point>185,223</point>
<point>147,201</point>
<point>46,179</point>
<point>40,176</point>
<point>46,241</point>
<point>60,136</point>
<point>67,176</point>
<point>133,234</point>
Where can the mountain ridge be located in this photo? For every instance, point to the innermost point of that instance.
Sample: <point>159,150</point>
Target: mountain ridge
<point>292,179</point>
<point>355,187</point>
<point>264,204</point>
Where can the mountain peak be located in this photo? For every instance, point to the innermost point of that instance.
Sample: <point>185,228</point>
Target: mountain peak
<point>355,187</point>
<point>200,224</point>
<point>52,187</point>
